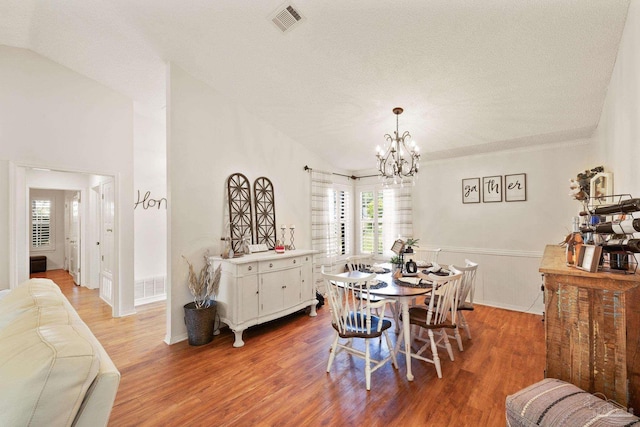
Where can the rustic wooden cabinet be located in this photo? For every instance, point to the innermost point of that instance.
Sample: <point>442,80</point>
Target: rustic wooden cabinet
<point>592,323</point>
<point>261,287</point>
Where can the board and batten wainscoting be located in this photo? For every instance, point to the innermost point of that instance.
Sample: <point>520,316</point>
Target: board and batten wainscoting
<point>506,278</point>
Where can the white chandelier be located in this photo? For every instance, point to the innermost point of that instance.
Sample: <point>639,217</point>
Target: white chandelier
<point>401,158</point>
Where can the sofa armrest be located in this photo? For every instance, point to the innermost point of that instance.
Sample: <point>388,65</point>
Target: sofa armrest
<point>98,401</point>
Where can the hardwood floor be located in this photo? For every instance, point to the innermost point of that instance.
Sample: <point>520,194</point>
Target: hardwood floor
<point>279,377</point>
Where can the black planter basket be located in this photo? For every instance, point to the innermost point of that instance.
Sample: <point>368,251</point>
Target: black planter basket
<point>200,322</point>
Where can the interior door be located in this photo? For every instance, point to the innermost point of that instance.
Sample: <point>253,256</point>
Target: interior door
<point>106,248</point>
<point>74,238</point>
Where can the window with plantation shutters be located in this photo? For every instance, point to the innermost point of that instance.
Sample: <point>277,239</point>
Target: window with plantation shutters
<point>371,222</point>
<point>42,230</point>
<point>384,216</point>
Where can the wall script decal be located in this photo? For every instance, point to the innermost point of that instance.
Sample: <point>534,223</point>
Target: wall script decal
<point>147,202</point>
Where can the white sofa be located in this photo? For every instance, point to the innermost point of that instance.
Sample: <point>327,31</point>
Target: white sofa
<point>53,371</point>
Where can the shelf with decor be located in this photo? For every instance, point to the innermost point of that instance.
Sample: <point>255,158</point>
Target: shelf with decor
<point>611,225</point>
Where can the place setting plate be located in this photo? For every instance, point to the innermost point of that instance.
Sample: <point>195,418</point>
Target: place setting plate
<point>413,282</point>
<point>377,284</point>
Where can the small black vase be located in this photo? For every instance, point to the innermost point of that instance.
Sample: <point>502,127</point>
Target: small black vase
<point>411,267</point>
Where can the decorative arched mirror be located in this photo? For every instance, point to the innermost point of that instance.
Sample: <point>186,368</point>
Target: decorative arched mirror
<point>240,212</point>
<point>265,212</point>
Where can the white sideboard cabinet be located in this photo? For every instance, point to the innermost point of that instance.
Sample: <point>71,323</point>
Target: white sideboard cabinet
<point>264,286</point>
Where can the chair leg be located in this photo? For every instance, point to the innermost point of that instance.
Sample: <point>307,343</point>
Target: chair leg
<point>447,343</point>
<point>391,350</point>
<point>464,324</point>
<point>395,310</point>
<point>367,365</point>
<point>332,352</point>
<point>434,351</point>
<point>458,338</point>
<point>399,339</point>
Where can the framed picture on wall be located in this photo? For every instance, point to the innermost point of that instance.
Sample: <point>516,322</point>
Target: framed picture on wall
<point>515,187</point>
<point>492,189</point>
<point>471,190</point>
<point>601,189</point>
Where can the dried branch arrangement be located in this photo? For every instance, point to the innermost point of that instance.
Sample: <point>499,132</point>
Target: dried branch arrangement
<point>204,286</point>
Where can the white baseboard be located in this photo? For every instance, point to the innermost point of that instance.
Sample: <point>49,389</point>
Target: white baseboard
<point>149,300</point>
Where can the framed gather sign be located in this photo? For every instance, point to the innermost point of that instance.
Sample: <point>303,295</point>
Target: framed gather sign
<point>471,190</point>
<point>513,187</point>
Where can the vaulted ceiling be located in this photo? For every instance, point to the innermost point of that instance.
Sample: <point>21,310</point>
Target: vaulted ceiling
<point>473,76</point>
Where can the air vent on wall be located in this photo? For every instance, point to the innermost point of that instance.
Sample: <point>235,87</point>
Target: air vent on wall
<point>286,17</point>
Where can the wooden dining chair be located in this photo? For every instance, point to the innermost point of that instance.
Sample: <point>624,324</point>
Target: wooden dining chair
<point>425,256</point>
<point>359,262</point>
<point>436,318</point>
<point>465,300</point>
<point>352,318</point>
<point>365,262</point>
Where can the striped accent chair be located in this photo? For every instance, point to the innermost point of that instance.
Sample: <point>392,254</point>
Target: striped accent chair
<point>553,402</point>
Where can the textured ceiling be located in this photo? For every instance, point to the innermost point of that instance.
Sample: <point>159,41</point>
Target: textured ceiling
<point>473,76</point>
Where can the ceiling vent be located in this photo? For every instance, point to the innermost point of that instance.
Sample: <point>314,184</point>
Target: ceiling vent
<point>286,17</point>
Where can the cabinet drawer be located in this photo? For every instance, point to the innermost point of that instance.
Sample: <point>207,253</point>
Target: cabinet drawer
<point>239,270</point>
<point>279,264</point>
<point>249,268</point>
<point>305,259</point>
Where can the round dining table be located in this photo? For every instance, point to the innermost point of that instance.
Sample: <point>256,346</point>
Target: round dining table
<point>402,292</point>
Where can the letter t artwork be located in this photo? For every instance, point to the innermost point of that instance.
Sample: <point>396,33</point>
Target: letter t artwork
<point>492,189</point>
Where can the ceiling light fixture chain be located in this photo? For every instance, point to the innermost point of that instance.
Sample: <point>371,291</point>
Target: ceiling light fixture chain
<point>401,159</point>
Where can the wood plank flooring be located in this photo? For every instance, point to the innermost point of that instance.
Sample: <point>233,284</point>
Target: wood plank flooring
<point>279,377</point>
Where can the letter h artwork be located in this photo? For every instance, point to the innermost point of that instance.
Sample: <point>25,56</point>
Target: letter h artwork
<point>492,189</point>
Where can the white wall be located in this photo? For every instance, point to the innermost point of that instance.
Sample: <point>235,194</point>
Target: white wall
<point>150,213</point>
<point>209,138</point>
<point>618,132</point>
<point>53,117</point>
<point>506,238</point>
<point>5,217</point>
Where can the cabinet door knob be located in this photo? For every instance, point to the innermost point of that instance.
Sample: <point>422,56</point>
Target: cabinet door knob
<point>270,264</point>
<point>250,268</point>
<point>294,261</point>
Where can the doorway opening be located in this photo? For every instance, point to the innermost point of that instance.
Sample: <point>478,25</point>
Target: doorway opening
<point>68,217</point>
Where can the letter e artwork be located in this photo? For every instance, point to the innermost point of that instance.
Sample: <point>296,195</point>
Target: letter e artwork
<point>515,187</point>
